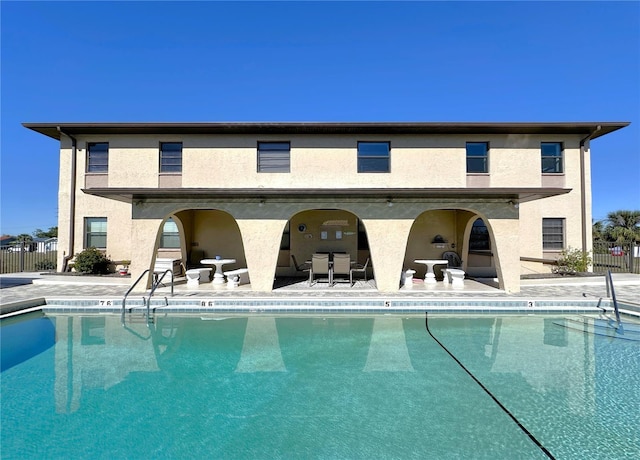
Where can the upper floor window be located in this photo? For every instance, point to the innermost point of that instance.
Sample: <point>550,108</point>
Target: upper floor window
<point>477,157</point>
<point>171,157</point>
<point>98,157</point>
<point>374,156</point>
<point>274,157</point>
<point>551,157</point>
<point>553,234</point>
<point>170,238</point>
<point>95,232</point>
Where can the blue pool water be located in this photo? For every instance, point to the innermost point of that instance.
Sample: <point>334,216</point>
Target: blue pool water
<point>318,387</point>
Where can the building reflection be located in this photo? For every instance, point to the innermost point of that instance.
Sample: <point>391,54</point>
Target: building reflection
<point>96,352</point>
<point>549,358</point>
<point>261,347</point>
<point>388,350</point>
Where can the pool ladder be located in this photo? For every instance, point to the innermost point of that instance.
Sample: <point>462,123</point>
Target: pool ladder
<point>146,301</point>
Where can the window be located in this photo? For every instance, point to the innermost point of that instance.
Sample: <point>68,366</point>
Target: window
<point>98,157</point>
<point>551,157</point>
<point>477,157</point>
<point>274,157</point>
<point>373,157</point>
<point>171,157</point>
<point>479,239</point>
<point>95,232</point>
<point>552,234</point>
<point>170,238</point>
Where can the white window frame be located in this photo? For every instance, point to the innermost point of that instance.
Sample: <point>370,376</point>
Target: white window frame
<point>90,235</point>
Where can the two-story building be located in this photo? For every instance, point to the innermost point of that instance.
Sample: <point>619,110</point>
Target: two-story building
<point>505,196</point>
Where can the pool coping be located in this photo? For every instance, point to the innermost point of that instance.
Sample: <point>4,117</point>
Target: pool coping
<point>305,305</point>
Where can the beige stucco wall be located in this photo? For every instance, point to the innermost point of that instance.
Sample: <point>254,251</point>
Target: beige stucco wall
<point>227,161</point>
<point>396,235</point>
<point>567,206</point>
<point>118,214</point>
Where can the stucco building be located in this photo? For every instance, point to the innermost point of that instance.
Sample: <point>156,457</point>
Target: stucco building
<point>504,196</point>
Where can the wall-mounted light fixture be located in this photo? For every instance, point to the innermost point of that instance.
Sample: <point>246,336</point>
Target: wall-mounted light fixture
<point>261,203</point>
<point>514,203</point>
<point>390,202</point>
<point>439,242</point>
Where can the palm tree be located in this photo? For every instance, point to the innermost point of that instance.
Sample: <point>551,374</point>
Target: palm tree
<point>598,231</point>
<point>623,225</point>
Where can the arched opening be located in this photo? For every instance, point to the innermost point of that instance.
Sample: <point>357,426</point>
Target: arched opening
<point>479,254</point>
<point>432,234</point>
<point>193,235</point>
<point>320,231</point>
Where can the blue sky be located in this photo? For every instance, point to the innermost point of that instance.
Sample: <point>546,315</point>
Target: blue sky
<point>313,61</point>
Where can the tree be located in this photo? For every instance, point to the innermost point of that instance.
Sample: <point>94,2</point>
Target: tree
<point>598,231</point>
<point>51,233</point>
<point>24,237</point>
<point>622,226</point>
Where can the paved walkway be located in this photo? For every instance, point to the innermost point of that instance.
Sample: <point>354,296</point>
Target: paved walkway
<point>24,286</point>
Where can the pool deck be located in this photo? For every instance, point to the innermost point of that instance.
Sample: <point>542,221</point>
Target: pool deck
<point>21,290</point>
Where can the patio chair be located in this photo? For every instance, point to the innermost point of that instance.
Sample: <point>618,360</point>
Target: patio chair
<point>359,269</point>
<point>341,266</point>
<point>454,273</point>
<point>300,267</point>
<point>319,266</point>
<point>453,258</point>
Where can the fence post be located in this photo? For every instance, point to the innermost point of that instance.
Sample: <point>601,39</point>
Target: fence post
<point>632,253</point>
<point>21,252</point>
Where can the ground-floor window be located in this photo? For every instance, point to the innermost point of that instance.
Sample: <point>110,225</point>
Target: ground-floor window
<point>552,234</point>
<point>170,238</point>
<point>95,233</point>
<point>479,239</point>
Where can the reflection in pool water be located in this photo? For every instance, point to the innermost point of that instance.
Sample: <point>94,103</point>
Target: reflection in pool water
<point>311,386</point>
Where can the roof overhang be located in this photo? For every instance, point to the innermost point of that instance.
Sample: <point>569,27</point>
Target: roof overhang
<point>586,129</point>
<point>131,195</point>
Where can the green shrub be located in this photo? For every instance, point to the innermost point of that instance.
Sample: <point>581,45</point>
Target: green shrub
<point>573,261</point>
<point>45,265</point>
<point>91,260</point>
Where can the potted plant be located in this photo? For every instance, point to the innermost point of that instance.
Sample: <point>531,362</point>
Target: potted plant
<point>124,269</point>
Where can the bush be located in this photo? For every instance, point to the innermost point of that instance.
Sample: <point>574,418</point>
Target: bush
<point>45,265</point>
<point>91,260</point>
<point>572,261</point>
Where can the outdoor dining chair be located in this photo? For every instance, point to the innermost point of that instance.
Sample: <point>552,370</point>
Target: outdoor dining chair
<point>359,269</point>
<point>300,267</point>
<point>341,266</point>
<point>320,266</point>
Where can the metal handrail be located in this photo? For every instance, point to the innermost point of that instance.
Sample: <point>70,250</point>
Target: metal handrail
<point>124,300</point>
<point>613,296</point>
<point>157,283</point>
<point>146,302</point>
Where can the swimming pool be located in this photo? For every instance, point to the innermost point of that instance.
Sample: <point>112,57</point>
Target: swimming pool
<point>362,386</point>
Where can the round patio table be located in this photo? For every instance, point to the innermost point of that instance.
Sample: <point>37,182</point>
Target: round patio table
<point>218,276</point>
<point>430,276</point>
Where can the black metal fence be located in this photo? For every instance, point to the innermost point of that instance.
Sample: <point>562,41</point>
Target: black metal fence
<point>27,257</point>
<point>617,257</point>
